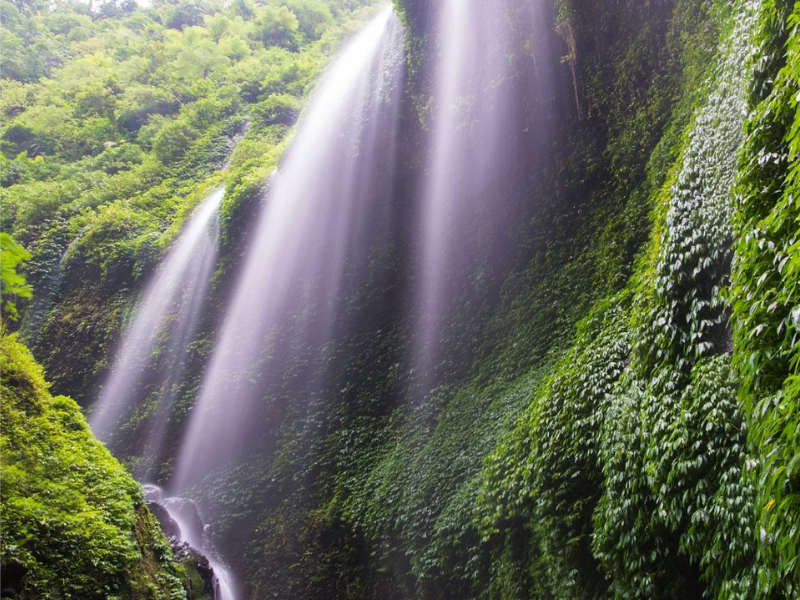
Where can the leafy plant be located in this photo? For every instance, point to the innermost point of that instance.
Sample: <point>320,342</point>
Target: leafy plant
<point>13,283</point>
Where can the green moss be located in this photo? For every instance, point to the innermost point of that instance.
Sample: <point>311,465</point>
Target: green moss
<point>74,524</point>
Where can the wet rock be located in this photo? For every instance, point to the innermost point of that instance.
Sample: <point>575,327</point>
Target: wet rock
<point>152,493</point>
<point>169,525</point>
<point>186,512</point>
<point>201,581</point>
<point>180,520</point>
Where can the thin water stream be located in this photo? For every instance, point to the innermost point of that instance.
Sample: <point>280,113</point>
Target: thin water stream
<point>489,68</point>
<point>160,332</point>
<point>192,531</point>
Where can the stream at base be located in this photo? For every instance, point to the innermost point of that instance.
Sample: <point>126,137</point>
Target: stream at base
<point>188,528</point>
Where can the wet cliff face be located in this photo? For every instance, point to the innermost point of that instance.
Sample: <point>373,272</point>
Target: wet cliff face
<point>517,198</point>
<point>497,364</point>
<point>375,469</point>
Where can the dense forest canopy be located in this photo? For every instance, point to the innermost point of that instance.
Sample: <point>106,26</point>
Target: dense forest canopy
<point>469,299</point>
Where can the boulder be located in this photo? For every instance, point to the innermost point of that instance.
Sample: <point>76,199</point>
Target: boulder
<point>169,525</point>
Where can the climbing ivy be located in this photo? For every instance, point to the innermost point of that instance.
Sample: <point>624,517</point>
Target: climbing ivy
<point>628,471</point>
<point>766,294</point>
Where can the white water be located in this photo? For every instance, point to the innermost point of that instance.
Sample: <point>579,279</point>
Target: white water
<point>163,326</point>
<point>183,511</point>
<point>313,222</point>
<point>485,70</point>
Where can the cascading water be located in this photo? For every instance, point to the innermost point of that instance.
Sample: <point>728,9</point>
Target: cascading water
<point>326,206</point>
<point>315,221</point>
<point>158,339</point>
<point>192,531</point>
<point>491,66</point>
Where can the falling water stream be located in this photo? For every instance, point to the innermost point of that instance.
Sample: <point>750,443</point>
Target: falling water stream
<point>313,221</point>
<point>486,77</point>
<point>193,531</point>
<point>163,326</point>
<point>170,308</point>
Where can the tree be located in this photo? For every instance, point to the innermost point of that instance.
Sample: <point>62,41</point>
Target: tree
<point>185,14</point>
<point>217,25</point>
<point>198,56</point>
<point>172,140</point>
<point>312,16</point>
<point>277,109</point>
<point>276,26</point>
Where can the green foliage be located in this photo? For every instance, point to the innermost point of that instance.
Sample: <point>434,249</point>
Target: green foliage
<point>312,16</point>
<point>546,472</point>
<point>12,283</point>
<point>74,522</point>
<point>765,295</point>
<point>27,50</point>
<point>637,488</point>
<point>276,26</point>
<point>172,140</point>
<point>277,109</point>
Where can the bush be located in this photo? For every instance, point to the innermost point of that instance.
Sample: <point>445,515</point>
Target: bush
<point>172,141</point>
<point>276,26</point>
<point>278,109</point>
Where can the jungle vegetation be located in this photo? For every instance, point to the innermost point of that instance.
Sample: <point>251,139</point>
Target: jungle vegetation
<point>616,414</point>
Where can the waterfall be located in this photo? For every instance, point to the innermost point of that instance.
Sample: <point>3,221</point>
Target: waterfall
<point>159,336</point>
<point>314,222</point>
<point>192,531</point>
<point>329,202</point>
<point>489,68</point>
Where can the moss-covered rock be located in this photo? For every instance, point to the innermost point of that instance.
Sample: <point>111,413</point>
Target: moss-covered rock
<point>199,578</point>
